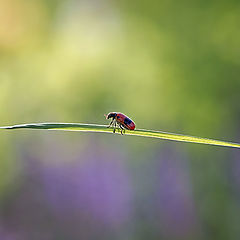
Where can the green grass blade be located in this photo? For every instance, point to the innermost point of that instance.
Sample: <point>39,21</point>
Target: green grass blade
<point>138,132</point>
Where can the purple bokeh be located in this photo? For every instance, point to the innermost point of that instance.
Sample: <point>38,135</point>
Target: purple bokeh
<point>96,187</point>
<point>176,211</point>
<point>8,234</point>
<point>95,194</point>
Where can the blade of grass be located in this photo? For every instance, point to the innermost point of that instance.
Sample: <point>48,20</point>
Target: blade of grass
<point>138,132</point>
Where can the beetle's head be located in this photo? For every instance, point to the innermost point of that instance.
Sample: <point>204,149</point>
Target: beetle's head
<point>110,115</point>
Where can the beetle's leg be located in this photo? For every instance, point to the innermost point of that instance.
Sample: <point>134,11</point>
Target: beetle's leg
<point>122,129</point>
<point>114,129</point>
<point>119,127</point>
<point>110,124</point>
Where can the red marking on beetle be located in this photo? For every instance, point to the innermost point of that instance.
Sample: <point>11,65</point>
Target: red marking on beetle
<point>121,120</point>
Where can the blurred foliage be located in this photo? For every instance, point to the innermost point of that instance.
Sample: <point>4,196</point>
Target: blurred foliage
<point>169,65</point>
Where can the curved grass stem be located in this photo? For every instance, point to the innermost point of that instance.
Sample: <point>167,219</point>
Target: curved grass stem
<point>138,132</point>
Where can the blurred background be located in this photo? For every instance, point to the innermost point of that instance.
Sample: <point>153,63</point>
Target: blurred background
<point>169,65</point>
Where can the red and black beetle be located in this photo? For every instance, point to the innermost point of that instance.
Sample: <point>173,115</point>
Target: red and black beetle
<point>121,120</point>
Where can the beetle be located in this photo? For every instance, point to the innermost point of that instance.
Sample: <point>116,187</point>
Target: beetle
<point>121,120</point>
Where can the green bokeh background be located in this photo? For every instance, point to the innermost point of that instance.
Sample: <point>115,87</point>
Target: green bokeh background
<point>169,65</point>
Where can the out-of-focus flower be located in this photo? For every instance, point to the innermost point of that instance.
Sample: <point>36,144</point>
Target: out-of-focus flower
<point>177,216</point>
<point>95,189</point>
